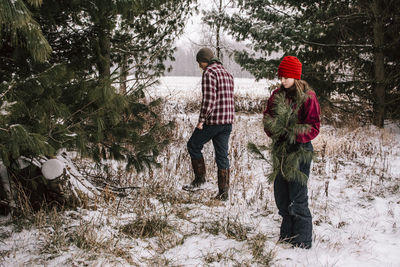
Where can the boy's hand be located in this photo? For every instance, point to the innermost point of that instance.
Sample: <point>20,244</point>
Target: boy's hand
<point>200,126</point>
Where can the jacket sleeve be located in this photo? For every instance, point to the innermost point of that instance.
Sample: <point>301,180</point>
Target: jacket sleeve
<point>310,114</point>
<point>208,87</point>
<point>268,111</point>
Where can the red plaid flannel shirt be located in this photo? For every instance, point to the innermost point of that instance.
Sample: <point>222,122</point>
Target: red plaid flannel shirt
<point>217,106</point>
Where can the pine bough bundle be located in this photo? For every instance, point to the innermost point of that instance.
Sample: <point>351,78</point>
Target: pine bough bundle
<point>286,154</point>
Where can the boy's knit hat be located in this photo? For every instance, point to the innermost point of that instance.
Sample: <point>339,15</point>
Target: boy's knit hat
<point>204,55</point>
<point>290,67</point>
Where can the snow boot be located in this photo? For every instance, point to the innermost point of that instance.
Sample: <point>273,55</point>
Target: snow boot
<point>199,169</point>
<point>223,184</point>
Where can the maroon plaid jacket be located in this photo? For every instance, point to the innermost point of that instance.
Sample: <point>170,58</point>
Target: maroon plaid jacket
<point>217,106</point>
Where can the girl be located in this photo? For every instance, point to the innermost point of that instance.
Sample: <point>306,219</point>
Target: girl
<point>289,190</point>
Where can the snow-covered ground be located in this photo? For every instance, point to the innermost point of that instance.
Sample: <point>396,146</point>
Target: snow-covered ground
<point>353,196</point>
<point>182,90</point>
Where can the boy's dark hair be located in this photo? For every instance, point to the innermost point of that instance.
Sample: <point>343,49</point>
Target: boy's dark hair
<point>204,55</point>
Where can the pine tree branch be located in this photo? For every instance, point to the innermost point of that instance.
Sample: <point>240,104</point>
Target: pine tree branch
<point>392,101</point>
<point>157,22</point>
<point>81,109</point>
<point>273,7</point>
<point>253,148</point>
<point>148,79</point>
<point>346,17</point>
<point>6,91</point>
<point>35,3</point>
<point>339,107</point>
<point>338,45</point>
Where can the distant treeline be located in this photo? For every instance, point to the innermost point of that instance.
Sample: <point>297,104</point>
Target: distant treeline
<point>185,64</point>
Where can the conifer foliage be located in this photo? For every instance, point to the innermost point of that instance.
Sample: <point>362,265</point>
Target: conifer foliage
<point>71,99</point>
<point>286,154</point>
<point>17,23</point>
<point>349,47</point>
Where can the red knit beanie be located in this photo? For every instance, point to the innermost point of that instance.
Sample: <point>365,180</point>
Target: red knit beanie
<point>290,67</point>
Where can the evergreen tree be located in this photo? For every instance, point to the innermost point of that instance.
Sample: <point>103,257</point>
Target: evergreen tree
<point>349,47</point>
<point>72,100</point>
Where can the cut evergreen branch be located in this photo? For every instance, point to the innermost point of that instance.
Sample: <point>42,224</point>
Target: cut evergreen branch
<point>286,154</point>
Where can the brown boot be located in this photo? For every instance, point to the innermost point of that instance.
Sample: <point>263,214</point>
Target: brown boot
<point>223,184</point>
<point>199,169</point>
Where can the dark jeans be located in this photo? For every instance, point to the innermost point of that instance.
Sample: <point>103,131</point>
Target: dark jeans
<point>292,201</point>
<point>219,134</point>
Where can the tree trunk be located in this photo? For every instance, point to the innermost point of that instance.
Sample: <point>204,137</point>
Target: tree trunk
<point>71,184</point>
<point>6,186</point>
<point>218,32</point>
<point>379,105</point>
<point>104,57</point>
<point>62,184</point>
<point>123,75</point>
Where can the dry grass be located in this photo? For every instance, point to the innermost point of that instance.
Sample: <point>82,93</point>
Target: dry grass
<point>59,235</point>
<point>260,254</point>
<point>147,227</point>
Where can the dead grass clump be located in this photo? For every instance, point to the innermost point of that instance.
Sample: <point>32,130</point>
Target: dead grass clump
<point>213,257</point>
<point>236,230</point>
<point>260,255</point>
<point>352,144</point>
<point>155,226</point>
<point>228,257</point>
<point>146,227</point>
<point>174,197</point>
<point>213,227</point>
<point>232,229</point>
<point>158,260</point>
<point>169,239</point>
<point>85,237</point>
<point>257,244</point>
<point>24,216</point>
<point>53,229</point>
